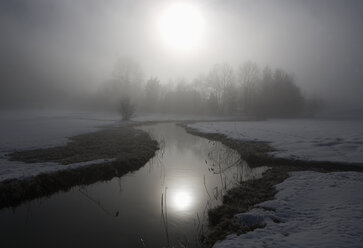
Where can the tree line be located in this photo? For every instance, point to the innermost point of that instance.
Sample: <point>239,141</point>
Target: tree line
<point>246,90</point>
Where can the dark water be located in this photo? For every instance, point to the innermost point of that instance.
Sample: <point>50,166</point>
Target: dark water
<point>164,203</point>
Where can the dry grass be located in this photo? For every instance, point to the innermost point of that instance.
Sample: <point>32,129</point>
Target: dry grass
<point>131,149</point>
<point>247,194</point>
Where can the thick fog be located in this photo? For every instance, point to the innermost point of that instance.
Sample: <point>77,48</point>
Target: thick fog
<point>54,52</point>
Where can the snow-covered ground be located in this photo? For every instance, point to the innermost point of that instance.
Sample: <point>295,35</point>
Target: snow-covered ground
<point>314,209</point>
<point>29,129</point>
<point>22,130</point>
<point>306,139</point>
<point>181,117</point>
<point>311,210</point>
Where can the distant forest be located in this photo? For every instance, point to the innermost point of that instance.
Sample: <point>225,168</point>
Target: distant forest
<point>247,90</point>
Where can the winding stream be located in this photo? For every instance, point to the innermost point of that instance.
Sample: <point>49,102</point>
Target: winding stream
<point>163,204</point>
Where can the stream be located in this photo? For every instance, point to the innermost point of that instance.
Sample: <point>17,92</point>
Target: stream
<point>163,204</point>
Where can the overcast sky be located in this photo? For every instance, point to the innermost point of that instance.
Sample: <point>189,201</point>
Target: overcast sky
<point>73,44</point>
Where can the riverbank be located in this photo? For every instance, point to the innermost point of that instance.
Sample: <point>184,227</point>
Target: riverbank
<point>98,156</point>
<point>102,150</point>
<point>185,173</point>
<point>245,196</point>
<point>310,209</point>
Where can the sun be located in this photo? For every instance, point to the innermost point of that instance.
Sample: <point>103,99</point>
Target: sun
<point>181,26</point>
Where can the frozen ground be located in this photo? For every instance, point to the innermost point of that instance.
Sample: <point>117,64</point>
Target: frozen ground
<point>181,117</point>
<point>21,130</point>
<point>306,139</point>
<point>311,210</point>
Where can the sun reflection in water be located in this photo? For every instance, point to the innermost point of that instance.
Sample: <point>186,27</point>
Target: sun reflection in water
<point>182,200</point>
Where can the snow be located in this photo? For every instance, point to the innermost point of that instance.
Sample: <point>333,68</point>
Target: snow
<point>23,130</point>
<point>305,139</point>
<point>30,129</point>
<point>181,117</point>
<point>311,209</point>
<point>20,170</point>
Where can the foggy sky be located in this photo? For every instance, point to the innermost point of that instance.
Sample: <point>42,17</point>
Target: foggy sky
<point>51,48</point>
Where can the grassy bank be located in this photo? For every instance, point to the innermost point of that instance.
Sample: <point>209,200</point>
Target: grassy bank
<point>130,148</point>
<point>243,197</point>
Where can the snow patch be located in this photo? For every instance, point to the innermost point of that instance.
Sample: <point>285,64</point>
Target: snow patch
<point>313,210</point>
<point>181,117</point>
<point>23,130</point>
<point>20,170</point>
<point>256,217</point>
<point>305,139</point>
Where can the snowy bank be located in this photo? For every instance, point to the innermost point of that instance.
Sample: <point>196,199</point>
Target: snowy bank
<point>32,129</point>
<point>304,139</point>
<point>20,170</point>
<point>183,117</point>
<point>24,130</point>
<point>311,209</point>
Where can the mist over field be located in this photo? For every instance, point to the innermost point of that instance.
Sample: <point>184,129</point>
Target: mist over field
<point>181,123</point>
<point>65,53</point>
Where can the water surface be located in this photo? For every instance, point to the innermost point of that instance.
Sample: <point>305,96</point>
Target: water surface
<point>164,203</point>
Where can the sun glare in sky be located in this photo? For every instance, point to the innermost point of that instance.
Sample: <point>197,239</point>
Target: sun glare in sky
<point>181,26</point>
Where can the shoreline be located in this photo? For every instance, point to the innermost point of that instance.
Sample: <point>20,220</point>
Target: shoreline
<point>81,148</point>
<point>246,195</point>
<point>131,149</point>
<point>242,198</point>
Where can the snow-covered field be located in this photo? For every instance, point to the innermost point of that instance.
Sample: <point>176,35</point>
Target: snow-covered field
<point>29,129</point>
<point>306,139</point>
<point>22,130</point>
<point>323,140</point>
<point>311,210</point>
<point>182,117</point>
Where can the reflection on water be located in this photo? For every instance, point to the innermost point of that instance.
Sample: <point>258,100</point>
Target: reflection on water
<point>182,200</point>
<point>164,203</point>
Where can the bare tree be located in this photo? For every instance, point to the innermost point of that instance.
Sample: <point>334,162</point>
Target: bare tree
<point>127,84</point>
<point>126,108</point>
<point>127,79</point>
<point>152,93</point>
<point>279,96</point>
<point>127,75</point>
<point>248,77</point>
<point>220,79</point>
